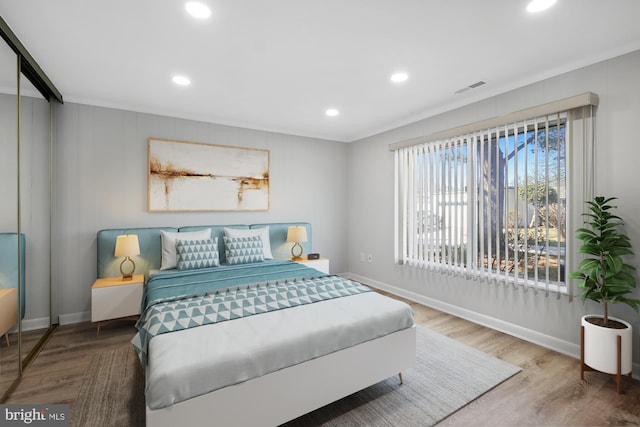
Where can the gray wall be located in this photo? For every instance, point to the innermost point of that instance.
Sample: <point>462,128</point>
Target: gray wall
<point>551,321</point>
<point>101,182</point>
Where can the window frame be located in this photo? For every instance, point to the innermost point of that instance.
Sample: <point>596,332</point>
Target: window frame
<point>577,114</point>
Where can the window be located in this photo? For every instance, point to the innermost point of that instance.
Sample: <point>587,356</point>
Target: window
<point>489,203</point>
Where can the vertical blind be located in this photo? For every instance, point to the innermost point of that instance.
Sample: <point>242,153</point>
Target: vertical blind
<point>494,202</point>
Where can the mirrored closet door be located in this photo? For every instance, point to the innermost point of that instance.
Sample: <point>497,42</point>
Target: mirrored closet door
<point>26,153</point>
<point>9,355</point>
<point>34,206</point>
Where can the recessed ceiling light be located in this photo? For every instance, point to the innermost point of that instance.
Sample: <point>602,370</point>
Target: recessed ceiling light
<point>181,80</point>
<point>198,10</point>
<point>539,5</point>
<point>399,77</point>
<point>332,112</point>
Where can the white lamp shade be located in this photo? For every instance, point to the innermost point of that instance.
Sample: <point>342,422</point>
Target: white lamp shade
<point>127,245</point>
<point>297,233</point>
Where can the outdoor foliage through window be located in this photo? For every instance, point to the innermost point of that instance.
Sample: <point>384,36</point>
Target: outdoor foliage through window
<point>492,202</point>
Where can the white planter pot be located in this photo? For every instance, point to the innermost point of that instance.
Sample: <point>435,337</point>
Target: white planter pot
<point>601,348</point>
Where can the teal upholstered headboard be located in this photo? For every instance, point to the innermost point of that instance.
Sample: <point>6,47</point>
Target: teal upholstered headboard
<point>150,243</point>
<point>9,264</point>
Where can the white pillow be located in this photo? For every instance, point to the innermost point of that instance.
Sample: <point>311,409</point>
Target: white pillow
<point>169,257</point>
<point>262,232</point>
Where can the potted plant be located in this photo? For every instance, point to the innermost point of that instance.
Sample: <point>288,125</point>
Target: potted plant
<point>605,278</point>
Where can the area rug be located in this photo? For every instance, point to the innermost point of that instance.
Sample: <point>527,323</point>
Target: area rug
<point>447,376</point>
<point>112,391</point>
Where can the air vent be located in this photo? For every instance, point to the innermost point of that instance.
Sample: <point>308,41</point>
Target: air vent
<point>471,86</point>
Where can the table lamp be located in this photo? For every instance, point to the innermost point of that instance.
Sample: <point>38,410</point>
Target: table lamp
<point>297,234</point>
<point>127,246</point>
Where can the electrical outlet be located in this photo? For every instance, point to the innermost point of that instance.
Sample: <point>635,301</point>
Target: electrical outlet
<point>362,257</point>
<point>369,257</point>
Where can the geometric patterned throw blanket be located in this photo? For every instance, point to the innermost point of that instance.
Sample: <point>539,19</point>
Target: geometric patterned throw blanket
<point>233,303</point>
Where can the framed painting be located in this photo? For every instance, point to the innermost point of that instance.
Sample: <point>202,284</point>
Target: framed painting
<point>192,176</point>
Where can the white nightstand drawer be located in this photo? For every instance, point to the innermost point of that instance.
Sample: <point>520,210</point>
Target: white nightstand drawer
<point>321,264</point>
<point>113,298</point>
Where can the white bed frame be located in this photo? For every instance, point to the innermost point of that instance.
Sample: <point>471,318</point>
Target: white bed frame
<point>286,394</point>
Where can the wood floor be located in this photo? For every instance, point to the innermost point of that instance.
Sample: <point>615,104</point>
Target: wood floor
<point>548,391</point>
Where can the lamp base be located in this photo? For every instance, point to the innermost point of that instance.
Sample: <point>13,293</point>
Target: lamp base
<point>127,275</point>
<point>296,254</point>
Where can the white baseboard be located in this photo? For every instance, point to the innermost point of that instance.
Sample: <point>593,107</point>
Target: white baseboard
<point>43,323</point>
<point>69,319</point>
<point>31,325</point>
<point>561,346</point>
<point>34,324</point>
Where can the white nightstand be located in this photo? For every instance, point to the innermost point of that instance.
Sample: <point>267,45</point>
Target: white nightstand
<point>320,264</point>
<point>114,298</point>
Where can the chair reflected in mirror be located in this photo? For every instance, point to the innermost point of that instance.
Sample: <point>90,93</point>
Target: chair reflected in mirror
<point>12,272</point>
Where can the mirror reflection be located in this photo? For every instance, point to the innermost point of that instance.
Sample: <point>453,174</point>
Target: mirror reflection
<point>34,214</point>
<point>9,265</point>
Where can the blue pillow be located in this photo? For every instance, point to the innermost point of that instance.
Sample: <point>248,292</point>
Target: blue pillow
<point>192,254</point>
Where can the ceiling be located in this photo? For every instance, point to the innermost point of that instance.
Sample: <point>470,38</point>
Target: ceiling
<point>277,65</point>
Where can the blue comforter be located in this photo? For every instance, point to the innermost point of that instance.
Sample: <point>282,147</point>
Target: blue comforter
<point>170,284</point>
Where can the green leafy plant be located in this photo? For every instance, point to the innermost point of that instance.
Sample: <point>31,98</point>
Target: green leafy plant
<point>604,276</point>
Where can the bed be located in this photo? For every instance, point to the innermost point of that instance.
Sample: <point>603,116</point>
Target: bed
<point>254,339</point>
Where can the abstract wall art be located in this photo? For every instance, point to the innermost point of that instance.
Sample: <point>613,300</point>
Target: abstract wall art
<point>191,176</point>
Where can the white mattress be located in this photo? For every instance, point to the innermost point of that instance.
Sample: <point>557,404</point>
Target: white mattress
<point>195,361</point>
